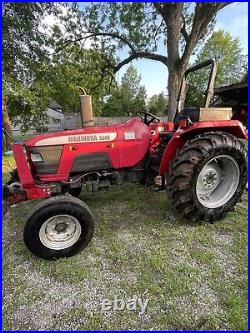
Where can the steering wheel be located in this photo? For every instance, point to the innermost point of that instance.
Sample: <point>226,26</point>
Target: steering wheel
<point>148,117</point>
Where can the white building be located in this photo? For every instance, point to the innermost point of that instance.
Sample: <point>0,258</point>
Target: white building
<point>56,120</point>
<point>56,117</point>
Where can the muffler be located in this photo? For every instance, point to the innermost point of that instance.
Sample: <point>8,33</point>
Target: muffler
<point>86,108</point>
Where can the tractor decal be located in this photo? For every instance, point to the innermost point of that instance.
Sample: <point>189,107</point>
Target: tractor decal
<point>95,137</point>
<point>129,135</point>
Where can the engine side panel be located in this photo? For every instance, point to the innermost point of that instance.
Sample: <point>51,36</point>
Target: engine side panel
<point>91,162</point>
<point>133,142</point>
<point>73,155</point>
<point>51,157</point>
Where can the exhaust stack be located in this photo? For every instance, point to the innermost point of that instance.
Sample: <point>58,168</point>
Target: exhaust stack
<point>86,109</point>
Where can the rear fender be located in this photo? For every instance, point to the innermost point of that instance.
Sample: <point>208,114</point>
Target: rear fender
<point>178,140</point>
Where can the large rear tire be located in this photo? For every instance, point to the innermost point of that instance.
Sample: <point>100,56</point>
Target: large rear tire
<point>207,176</point>
<point>60,226</point>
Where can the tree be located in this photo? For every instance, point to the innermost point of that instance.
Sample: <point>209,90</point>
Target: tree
<point>34,74</point>
<point>140,27</point>
<point>6,126</point>
<point>245,78</point>
<point>128,98</point>
<point>232,65</point>
<point>26,59</point>
<point>157,104</point>
<point>23,41</point>
<point>75,67</point>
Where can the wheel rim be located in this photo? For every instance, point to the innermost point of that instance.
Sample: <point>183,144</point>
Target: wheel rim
<point>218,181</point>
<point>60,232</point>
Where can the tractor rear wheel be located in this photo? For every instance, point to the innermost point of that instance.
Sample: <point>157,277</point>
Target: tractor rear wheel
<point>60,226</point>
<point>207,176</point>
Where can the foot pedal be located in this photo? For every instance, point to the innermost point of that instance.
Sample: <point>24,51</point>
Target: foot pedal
<point>160,183</point>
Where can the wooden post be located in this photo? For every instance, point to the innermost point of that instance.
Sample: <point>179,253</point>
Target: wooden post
<point>6,126</point>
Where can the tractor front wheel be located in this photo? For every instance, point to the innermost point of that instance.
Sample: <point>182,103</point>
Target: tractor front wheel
<point>60,226</point>
<point>208,176</point>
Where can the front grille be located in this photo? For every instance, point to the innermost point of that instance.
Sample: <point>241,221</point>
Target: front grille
<point>51,156</point>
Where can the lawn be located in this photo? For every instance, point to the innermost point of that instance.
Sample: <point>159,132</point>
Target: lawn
<point>194,274</point>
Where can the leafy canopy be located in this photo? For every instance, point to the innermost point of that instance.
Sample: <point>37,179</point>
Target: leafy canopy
<point>35,72</point>
<point>26,59</point>
<point>75,67</point>
<point>168,32</point>
<point>129,98</point>
<point>157,104</point>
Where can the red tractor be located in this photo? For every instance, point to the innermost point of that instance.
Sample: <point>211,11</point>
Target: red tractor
<point>199,158</point>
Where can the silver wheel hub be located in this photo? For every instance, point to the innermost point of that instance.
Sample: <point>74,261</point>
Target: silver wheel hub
<point>218,181</point>
<point>60,232</point>
<point>210,177</point>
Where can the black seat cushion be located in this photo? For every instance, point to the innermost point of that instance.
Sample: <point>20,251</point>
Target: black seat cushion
<point>193,113</point>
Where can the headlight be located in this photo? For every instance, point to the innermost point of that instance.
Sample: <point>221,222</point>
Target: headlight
<point>36,158</point>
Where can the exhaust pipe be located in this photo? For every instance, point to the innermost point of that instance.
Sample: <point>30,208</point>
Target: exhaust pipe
<point>86,109</point>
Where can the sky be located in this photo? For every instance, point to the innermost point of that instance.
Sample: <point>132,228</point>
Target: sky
<point>233,18</point>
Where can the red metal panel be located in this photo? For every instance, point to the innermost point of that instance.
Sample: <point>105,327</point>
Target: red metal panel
<point>53,138</point>
<point>33,191</point>
<point>132,151</point>
<point>234,127</point>
<point>23,167</point>
<point>176,142</point>
<point>124,150</point>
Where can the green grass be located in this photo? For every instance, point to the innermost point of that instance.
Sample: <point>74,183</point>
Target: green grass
<point>194,274</point>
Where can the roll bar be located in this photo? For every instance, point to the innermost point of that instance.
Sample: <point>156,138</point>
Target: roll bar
<point>210,86</point>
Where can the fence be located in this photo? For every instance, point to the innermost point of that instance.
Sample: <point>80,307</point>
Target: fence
<point>73,121</point>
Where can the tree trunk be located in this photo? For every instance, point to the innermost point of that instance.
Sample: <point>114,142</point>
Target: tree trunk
<point>174,82</point>
<point>173,19</point>
<point>6,126</point>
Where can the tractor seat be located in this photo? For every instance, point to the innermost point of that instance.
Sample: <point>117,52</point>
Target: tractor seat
<point>193,113</point>
<point>203,114</point>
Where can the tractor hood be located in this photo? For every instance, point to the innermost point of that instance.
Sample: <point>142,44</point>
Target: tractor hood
<point>83,135</point>
<point>87,149</point>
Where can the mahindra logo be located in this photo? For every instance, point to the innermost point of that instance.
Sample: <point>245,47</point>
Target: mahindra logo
<point>81,138</point>
<point>89,138</point>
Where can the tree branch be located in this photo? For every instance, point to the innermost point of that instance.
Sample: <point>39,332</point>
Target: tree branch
<point>105,72</point>
<point>200,23</point>
<point>115,68</point>
<point>96,34</point>
<point>156,32</point>
<point>136,55</point>
<point>159,7</point>
<point>221,5</point>
<point>184,30</point>
<point>141,54</point>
